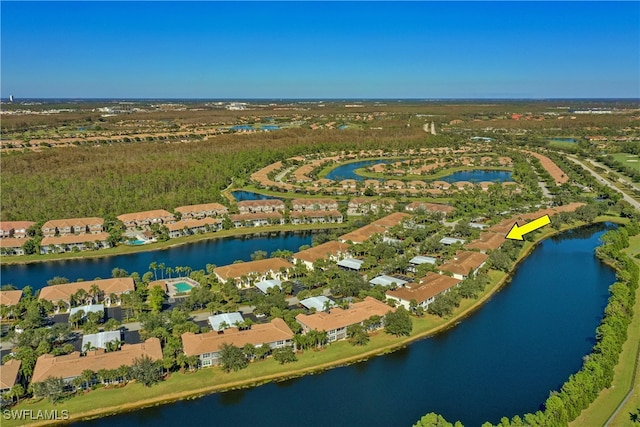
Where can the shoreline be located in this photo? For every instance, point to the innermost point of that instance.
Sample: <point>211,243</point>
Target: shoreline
<point>242,384</point>
<point>128,249</point>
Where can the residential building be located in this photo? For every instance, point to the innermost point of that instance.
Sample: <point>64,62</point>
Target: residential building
<point>362,234</point>
<point>15,229</point>
<point>188,227</point>
<point>9,298</point>
<point>73,242</point>
<point>202,211</point>
<point>260,206</point>
<point>316,217</point>
<point>351,264</point>
<point>488,241</point>
<point>275,334</point>
<point>448,241</point>
<point>331,250</point>
<point>464,263</point>
<point>424,292</point>
<point>391,220</point>
<point>69,226</point>
<point>387,281</point>
<point>246,273</point>
<point>110,289</point>
<point>9,375</point>
<point>12,246</point>
<point>72,365</point>
<point>336,321</point>
<point>430,207</point>
<point>258,219</point>
<point>365,205</point>
<point>301,205</point>
<point>145,219</point>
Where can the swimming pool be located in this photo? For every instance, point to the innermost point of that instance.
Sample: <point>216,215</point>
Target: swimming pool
<point>182,287</point>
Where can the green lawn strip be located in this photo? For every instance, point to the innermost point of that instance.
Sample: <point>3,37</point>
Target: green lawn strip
<point>430,177</point>
<point>569,146</point>
<point>623,157</point>
<point>126,249</point>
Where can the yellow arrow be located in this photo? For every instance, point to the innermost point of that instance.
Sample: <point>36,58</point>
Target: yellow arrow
<point>516,232</point>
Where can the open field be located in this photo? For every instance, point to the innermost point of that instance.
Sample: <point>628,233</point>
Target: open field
<point>629,160</point>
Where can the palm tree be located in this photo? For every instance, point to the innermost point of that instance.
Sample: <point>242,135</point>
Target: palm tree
<point>95,292</point>
<point>153,266</point>
<point>161,266</point>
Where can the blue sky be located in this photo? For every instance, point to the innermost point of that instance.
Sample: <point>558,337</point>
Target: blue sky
<point>320,49</point>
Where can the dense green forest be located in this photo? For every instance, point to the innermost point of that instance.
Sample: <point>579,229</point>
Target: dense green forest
<point>120,178</point>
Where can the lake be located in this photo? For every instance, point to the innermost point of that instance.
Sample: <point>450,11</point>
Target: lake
<point>196,255</point>
<point>501,361</point>
<point>241,195</point>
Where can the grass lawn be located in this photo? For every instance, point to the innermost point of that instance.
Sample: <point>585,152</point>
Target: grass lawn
<point>608,400</point>
<point>564,145</point>
<point>624,159</point>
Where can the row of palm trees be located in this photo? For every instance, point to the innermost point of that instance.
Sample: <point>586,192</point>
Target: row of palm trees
<point>181,271</point>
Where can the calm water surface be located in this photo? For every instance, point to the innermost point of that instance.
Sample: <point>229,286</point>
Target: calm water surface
<point>501,361</point>
<point>241,195</point>
<point>196,255</point>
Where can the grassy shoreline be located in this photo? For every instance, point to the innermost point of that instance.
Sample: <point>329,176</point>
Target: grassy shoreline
<point>211,380</point>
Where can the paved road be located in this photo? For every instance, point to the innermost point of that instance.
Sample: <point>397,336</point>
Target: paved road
<point>605,167</point>
<point>625,196</point>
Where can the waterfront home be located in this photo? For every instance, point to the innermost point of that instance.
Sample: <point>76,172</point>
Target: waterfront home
<point>464,263</point>
<point>365,205</point>
<point>419,260</point>
<point>223,321</point>
<point>362,234</point>
<point>336,320</point>
<point>100,340</point>
<point>387,281</point>
<point>301,205</point>
<point>202,211</point>
<point>316,217</point>
<point>332,250</point>
<point>109,291</point>
<point>12,246</point>
<point>9,375</point>
<point>11,297</point>
<point>258,219</point>
<point>72,365</point>
<point>73,242</point>
<point>260,206</point>
<point>488,241</point>
<point>15,229</point>
<point>145,219</point>
<point>246,273</point>
<point>69,226</point>
<point>319,303</point>
<point>188,227</point>
<point>430,207</point>
<point>424,292</point>
<point>275,334</point>
<point>440,185</point>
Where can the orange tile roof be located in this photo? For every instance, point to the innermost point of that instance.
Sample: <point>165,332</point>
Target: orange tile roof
<point>274,203</point>
<point>211,342</point>
<point>72,222</point>
<point>322,251</point>
<point>192,223</point>
<point>74,238</point>
<point>63,292</point>
<point>315,214</point>
<point>140,216</point>
<point>15,225</point>
<point>72,365</point>
<point>254,216</point>
<point>339,318</point>
<point>9,373</point>
<point>262,266</point>
<point>12,242</point>
<point>488,241</point>
<point>466,261</point>
<point>391,219</point>
<point>9,298</point>
<point>429,286</point>
<point>431,207</point>
<point>362,233</point>
<point>201,208</point>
